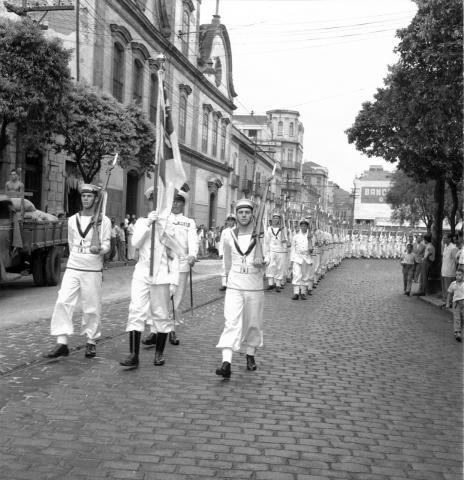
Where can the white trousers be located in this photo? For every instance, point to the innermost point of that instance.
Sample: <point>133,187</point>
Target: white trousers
<point>87,286</point>
<point>276,267</point>
<point>149,305</point>
<point>243,313</point>
<point>303,277</point>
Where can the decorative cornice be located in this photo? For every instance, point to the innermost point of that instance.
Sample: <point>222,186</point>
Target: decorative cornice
<point>154,64</point>
<point>200,160</point>
<point>185,88</point>
<point>141,49</point>
<point>122,31</point>
<point>208,106</point>
<point>225,120</point>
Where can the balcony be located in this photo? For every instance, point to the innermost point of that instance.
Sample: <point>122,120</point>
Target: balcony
<point>247,185</point>
<point>235,181</point>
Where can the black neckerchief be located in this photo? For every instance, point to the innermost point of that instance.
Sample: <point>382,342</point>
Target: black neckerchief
<point>84,233</point>
<point>275,234</point>
<point>234,233</point>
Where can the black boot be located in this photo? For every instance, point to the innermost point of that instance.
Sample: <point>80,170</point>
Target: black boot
<point>134,347</point>
<point>295,296</point>
<point>173,340</point>
<point>150,339</point>
<point>224,370</point>
<point>160,344</point>
<point>251,364</point>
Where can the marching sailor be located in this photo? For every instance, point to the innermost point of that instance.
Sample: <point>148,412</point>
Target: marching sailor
<point>230,224</point>
<point>151,294</point>
<point>303,268</point>
<point>186,235</point>
<point>83,275</point>
<point>277,253</point>
<point>244,300</point>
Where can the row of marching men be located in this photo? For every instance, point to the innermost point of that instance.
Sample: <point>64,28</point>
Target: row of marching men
<point>301,257</point>
<point>375,245</point>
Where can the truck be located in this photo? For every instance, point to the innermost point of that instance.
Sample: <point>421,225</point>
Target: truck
<point>29,245</point>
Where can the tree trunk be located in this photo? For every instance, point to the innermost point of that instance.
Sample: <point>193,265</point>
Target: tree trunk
<point>3,139</point>
<point>454,209</point>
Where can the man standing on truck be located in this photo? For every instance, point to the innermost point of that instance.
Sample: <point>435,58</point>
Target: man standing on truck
<point>83,275</point>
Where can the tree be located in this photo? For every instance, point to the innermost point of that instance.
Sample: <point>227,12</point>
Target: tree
<point>95,125</point>
<point>34,80</point>
<point>416,119</point>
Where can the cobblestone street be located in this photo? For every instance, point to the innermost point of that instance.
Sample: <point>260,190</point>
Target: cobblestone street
<point>359,382</point>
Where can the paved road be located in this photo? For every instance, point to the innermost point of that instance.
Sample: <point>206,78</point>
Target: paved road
<point>359,382</point>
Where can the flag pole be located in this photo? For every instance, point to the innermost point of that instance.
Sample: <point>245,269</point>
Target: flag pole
<point>159,145</point>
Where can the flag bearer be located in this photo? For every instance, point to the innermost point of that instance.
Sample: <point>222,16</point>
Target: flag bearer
<point>83,275</point>
<point>303,267</point>
<point>244,300</point>
<point>150,294</point>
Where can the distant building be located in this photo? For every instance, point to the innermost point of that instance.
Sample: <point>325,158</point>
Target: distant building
<point>317,177</point>
<point>370,192</point>
<point>343,205</point>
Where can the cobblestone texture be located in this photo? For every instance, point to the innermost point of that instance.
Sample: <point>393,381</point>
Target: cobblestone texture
<point>358,382</point>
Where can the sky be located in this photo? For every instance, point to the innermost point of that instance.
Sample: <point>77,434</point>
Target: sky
<point>323,58</point>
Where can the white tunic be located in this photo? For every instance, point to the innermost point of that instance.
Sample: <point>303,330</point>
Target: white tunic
<point>186,235</point>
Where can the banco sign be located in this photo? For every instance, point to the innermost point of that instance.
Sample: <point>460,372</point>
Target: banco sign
<point>373,194</point>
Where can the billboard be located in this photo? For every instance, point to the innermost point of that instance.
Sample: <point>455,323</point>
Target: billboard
<point>374,194</point>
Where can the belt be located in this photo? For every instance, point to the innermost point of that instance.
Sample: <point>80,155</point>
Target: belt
<point>250,269</point>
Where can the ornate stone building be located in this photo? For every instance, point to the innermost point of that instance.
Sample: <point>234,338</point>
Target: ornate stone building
<point>116,49</point>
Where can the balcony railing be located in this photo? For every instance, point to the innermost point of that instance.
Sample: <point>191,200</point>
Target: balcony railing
<point>247,185</point>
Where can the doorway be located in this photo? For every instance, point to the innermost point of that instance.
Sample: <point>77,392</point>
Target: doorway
<point>33,177</point>
<point>212,210</point>
<point>132,191</point>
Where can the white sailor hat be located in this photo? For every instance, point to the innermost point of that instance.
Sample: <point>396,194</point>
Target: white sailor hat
<point>276,213</point>
<point>89,188</point>
<point>231,216</point>
<point>304,220</point>
<point>244,203</point>
<point>149,192</point>
<point>180,195</point>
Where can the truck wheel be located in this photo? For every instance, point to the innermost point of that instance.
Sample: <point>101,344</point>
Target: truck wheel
<point>53,266</point>
<point>37,268</point>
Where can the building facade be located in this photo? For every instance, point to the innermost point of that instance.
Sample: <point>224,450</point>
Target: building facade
<point>370,191</point>
<point>317,177</point>
<point>117,49</point>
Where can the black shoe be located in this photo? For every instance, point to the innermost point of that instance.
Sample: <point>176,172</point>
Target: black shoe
<point>278,289</point>
<point>160,344</point>
<point>408,294</point>
<point>302,296</point>
<point>60,350</point>
<point>131,361</point>
<point>90,350</point>
<point>310,292</point>
<point>458,337</point>
<point>295,296</point>
<point>270,287</point>
<point>251,364</point>
<point>173,340</point>
<point>221,289</point>
<point>224,370</point>
<point>419,294</point>
<point>150,340</point>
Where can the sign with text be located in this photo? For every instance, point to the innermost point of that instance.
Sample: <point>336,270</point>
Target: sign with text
<point>373,194</point>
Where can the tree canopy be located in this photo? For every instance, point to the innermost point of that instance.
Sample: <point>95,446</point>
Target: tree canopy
<point>34,79</point>
<point>95,125</point>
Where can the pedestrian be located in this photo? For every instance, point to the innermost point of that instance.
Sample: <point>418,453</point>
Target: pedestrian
<point>407,263</point>
<point>186,236</point>
<point>109,257</point>
<point>419,250</point>
<point>276,243</point>
<point>303,268</point>
<point>426,265</point>
<point>456,301</point>
<point>150,294</point>
<point>83,276</point>
<point>448,264</point>
<point>244,299</point>
<point>121,243</point>
<point>14,184</point>
<point>130,244</point>
<point>230,225</point>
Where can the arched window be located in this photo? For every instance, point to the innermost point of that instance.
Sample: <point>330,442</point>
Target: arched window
<point>153,96</point>
<point>205,131</point>
<point>215,135</point>
<point>185,32</point>
<point>223,141</point>
<point>280,129</point>
<point>118,71</point>
<point>182,116</point>
<point>137,88</point>
<point>291,129</point>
